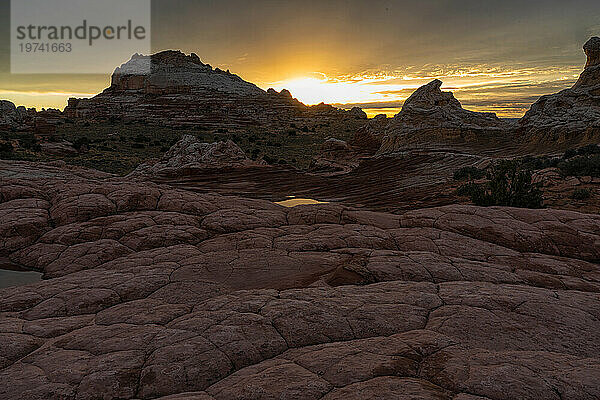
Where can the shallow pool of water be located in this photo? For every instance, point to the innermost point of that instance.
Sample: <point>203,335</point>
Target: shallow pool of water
<point>293,202</point>
<point>9,278</point>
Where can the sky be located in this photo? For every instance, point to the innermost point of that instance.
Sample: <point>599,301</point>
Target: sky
<point>497,56</point>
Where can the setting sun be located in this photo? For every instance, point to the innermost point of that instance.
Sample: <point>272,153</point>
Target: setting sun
<point>312,90</point>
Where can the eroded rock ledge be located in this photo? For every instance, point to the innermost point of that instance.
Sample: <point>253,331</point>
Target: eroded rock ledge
<point>163,293</point>
<point>571,116</point>
<point>430,115</point>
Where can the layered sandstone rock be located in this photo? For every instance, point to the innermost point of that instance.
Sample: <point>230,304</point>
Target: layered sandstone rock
<point>190,155</point>
<point>572,116</point>
<point>174,89</point>
<point>62,148</point>
<point>432,116</point>
<point>335,156</point>
<point>155,292</point>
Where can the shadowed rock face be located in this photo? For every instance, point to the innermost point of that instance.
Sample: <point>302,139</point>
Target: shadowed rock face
<point>592,51</point>
<point>432,116</point>
<point>572,116</point>
<point>28,119</point>
<point>12,117</point>
<point>156,292</point>
<point>180,90</point>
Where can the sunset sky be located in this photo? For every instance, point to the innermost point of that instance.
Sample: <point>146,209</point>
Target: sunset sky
<point>495,56</point>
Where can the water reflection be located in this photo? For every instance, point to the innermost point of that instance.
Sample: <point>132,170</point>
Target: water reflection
<point>9,278</point>
<point>293,202</point>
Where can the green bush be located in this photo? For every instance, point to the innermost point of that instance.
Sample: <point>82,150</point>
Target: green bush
<point>590,149</point>
<point>537,163</point>
<point>142,139</point>
<point>468,173</point>
<point>508,185</point>
<point>581,194</point>
<point>254,153</point>
<point>80,142</point>
<point>468,189</point>
<point>570,154</point>
<point>29,142</point>
<point>268,159</point>
<point>581,166</point>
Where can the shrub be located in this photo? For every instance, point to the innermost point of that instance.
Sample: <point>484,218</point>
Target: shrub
<point>581,166</point>
<point>537,163</point>
<point>6,150</point>
<point>28,141</point>
<point>508,185</point>
<point>268,159</point>
<point>590,149</point>
<point>468,173</point>
<point>141,139</point>
<point>80,142</point>
<point>468,189</point>
<point>581,194</point>
<point>570,154</point>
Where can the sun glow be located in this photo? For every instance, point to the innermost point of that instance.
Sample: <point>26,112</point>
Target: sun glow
<point>507,92</point>
<point>322,89</point>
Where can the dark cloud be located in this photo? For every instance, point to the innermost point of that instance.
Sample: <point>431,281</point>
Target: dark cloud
<point>267,41</point>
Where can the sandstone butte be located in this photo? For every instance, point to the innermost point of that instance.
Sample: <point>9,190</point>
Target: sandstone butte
<point>153,292</point>
<point>182,91</point>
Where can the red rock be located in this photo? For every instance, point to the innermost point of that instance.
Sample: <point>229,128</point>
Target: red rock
<point>157,292</point>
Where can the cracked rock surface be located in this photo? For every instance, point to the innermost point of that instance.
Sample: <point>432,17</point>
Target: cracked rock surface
<point>155,292</point>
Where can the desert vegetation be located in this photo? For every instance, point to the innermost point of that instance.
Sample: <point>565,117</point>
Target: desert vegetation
<point>508,184</point>
<point>119,148</point>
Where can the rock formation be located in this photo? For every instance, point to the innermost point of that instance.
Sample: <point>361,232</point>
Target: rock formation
<point>180,90</point>
<point>190,155</point>
<point>432,116</point>
<point>336,156</point>
<point>155,292</point>
<point>572,116</point>
<point>62,148</point>
<point>12,117</point>
<point>41,123</point>
<point>358,113</point>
